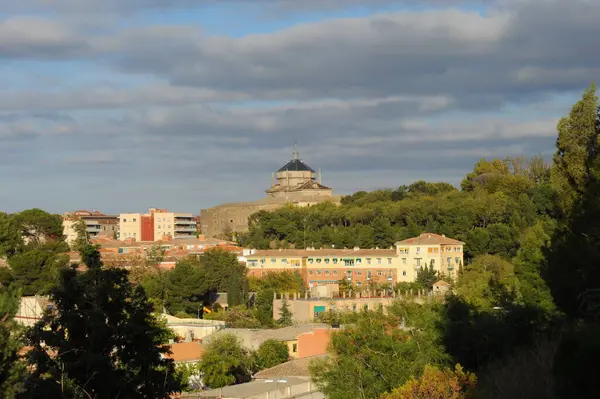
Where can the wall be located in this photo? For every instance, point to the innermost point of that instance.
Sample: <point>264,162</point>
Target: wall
<point>314,342</point>
<point>130,226</point>
<point>147,233</point>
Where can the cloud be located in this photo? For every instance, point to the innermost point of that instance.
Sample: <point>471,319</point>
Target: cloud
<point>34,37</point>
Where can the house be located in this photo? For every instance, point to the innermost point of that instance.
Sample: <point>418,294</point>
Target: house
<point>362,266</point>
<point>252,338</point>
<point>31,309</point>
<point>441,288</point>
<point>281,388</point>
<point>192,329</point>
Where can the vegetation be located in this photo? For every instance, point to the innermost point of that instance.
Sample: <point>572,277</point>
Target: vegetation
<point>271,353</point>
<point>102,340</point>
<point>12,367</point>
<point>225,362</point>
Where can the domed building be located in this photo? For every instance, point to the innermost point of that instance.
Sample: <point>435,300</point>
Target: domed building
<point>294,183</point>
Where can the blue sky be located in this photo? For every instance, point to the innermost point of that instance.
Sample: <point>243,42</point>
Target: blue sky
<point>121,106</point>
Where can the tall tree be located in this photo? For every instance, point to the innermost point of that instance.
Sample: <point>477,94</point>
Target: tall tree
<point>576,149</point>
<point>37,226</point>
<point>271,353</point>
<point>36,270</point>
<point>225,362</point>
<point>10,237</point>
<point>12,367</point>
<point>102,340</point>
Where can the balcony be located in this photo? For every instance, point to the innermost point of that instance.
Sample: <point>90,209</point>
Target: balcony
<point>185,221</point>
<point>93,228</point>
<point>186,228</point>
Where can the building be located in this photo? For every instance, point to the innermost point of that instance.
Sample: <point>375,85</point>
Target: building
<point>252,338</point>
<point>293,368</point>
<point>31,309</point>
<point>192,329</point>
<point>280,388</point>
<point>361,266</point>
<point>294,183</point>
<point>96,223</point>
<point>156,224</point>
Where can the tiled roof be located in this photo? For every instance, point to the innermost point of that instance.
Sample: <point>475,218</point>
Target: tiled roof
<point>293,368</point>
<point>296,165</point>
<point>430,239</point>
<point>255,337</point>
<point>185,351</point>
<point>323,252</point>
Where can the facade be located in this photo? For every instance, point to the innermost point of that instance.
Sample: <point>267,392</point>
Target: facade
<point>97,224</point>
<point>156,224</point>
<point>294,183</point>
<point>361,266</point>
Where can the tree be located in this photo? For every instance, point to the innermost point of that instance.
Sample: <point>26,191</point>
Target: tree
<point>186,288</point>
<point>427,276</point>
<point>10,237</point>
<point>35,270</point>
<point>221,266</point>
<point>374,356</point>
<point>82,235</point>
<point>236,317</point>
<point>285,316</point>
<point>576,150</point>
<point>37,226</point>
<point>102,340</point>
<point>12,367</point>
<point>437,384</point>
<point>271,353</point>
<point>225,362</point>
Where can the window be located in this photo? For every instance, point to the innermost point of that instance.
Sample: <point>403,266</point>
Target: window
<point>124,220</point>
<point>368,261</point>
<point>335,261</point>
<point>273,260</point>
<point>379,273</point>
<point>418,250</point>
<point>368,274</point>
<point>169,226</point>
<point>389,261</point>
<point>366,306</point>
<point>294,348</point>
<point>295,262</point>
<point>134,219</point>
<point>318,272</point>
<point>284,261</point>
<point>335,272</point>
<point>349,275</point>
<point>457,260</point>
<point>159,226</point>
<point>327,272</point>
<point>357,260</point>
<point>379,261</point>
<point>449,261</point>
<point>310,272</point>
<point>404,261</point>
<point>358,283</point>
<point>390,275</point>
<point>326,260</point>
<point>310,260</point>
<point>354,307</point>
<point>318,260</point>
<point>432,262</point>
<point>349,262</point>
<point>251,263</point>
<point>358,273</point>
<point>404,273</point>
<point>418,261</point>
<point>403,251</point>
<point>262,261</point>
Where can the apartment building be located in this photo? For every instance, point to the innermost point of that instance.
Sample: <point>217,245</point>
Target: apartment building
<point>360,266</point>
<point>156,224</point>
<point>97,223</point>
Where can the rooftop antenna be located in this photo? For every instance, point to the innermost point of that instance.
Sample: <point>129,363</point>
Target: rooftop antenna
<point>295,153</point>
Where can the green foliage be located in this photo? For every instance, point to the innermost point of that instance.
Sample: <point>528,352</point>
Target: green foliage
<point>220,267</point>
<point>271,353</point>
<point>374,356</point>
<point>267,286</point>
<point>437,384</point>
<point>427,276</point>
<point>103,339</point>
<point>236,317</point>
<point>225,362</point>
<point>10,237</point>
<point>82,239</point>
<point>190,376</point>
<point>36,270</point>
<point>187,288</point>
<point>12,368</point>
<point>37,226</point>
<point>285,316</point>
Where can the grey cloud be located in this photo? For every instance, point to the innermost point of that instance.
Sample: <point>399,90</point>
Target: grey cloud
<point>33,37</point>
<point>427,52</point>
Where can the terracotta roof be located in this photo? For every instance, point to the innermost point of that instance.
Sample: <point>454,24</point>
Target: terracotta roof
<point>442,283</point>
<point>430,239</point>
<point>185,351</point>
<point>322,252</point>
<point>293,368</point>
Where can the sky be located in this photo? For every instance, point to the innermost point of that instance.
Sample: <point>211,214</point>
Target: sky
<point>122,105</point>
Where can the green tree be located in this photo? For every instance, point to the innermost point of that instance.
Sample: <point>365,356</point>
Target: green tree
<point>437,384</point>
<point>83,238</point>
<point>225,362</point>
<point>576,150</point>
<point>37,226</point>
<point>102,340</point>
<point>271,353</point>
<point>36,270</point>
<point>12,367</point>
<point>186,288</point>
<point>285,316</point>
<point>374,356</point>
<point>10,237</point>
<point>427,276</point>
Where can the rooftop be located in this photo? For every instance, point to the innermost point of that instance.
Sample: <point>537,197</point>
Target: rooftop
<point>252,389</point>
<point>322,252</point>
<point>430,239</point>
<point>254,337</point>
<point>185,351</point>
<point>295,165</point>
<point>293,368</point>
